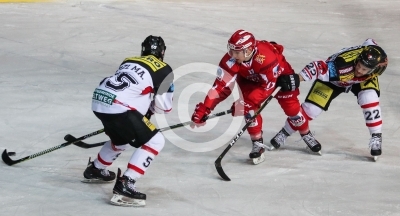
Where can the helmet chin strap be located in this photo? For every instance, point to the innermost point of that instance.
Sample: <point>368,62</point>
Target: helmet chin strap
<point>251,54</point>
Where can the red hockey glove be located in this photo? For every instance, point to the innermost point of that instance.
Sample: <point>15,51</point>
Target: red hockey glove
<point>199,113</point>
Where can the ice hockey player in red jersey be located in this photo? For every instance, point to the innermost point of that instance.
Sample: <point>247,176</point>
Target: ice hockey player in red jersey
<point>255,66</point>
<point>354,69</point>
<point>124,103</point>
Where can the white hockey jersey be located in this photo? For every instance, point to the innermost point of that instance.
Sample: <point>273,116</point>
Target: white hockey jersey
<point>140,83</point>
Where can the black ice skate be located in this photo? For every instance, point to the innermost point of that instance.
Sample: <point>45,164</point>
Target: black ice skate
<point>257,153</point>
<point>375,144</point>
<point>95,175</point>
<point>124,193</point>
<point>279,139</point>
<point>311,142</point>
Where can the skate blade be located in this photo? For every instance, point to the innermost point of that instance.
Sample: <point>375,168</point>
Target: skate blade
<point>270,148</point>
<point>259,159</point>
<point>121,200</point>
<point>315,153</point>
<point>95,181</point>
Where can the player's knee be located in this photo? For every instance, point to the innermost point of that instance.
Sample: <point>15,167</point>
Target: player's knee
<point>117,148</point>
<point>310,110</point>
<point>256,126</point>
<point>367,97</point>
<point>298,120</point>
<point>156,143</point>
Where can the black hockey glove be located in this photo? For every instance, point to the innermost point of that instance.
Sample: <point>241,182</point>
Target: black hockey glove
<point>288,82</point>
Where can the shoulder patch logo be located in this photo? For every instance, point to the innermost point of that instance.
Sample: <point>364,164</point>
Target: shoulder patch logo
<point>230,62</point>
<point>260,58</point>
<point>220,73</point>
<point>276,71</point>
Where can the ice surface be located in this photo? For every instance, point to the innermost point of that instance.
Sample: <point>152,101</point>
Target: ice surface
<point>52,56</point>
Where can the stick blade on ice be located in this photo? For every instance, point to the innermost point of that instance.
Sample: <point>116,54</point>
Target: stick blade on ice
<point>6,158</point>
<point>220,171</point>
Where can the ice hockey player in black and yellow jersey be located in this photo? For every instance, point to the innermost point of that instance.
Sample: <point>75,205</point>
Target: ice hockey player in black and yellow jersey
<point>354,69</point>
<point>124,102</point>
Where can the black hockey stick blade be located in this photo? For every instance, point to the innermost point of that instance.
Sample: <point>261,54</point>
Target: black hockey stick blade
<point>220,171</point>
<point>70,138</point>
<point>6,158</point>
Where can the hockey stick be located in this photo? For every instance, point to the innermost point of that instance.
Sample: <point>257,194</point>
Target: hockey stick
<point>6,158</point>
<point>218,165</point>
<point>81,144</point>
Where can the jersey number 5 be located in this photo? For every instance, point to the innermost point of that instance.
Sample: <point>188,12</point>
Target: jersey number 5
<point>123,81</point>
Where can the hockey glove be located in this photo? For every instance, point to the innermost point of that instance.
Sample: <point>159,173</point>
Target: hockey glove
<point>199,114</point>
<point>288,82</point>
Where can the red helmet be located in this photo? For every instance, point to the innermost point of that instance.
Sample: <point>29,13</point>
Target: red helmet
<point>241,40</point>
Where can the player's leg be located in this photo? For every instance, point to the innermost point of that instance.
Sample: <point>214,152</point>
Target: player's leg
<point>249,91</point>
<point>96,171</point>
<point>290,104</point>
<point>149,142</point>
<point>318,99</point>
<point>368,98</point>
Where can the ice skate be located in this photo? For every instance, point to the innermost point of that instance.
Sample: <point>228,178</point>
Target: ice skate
<point>312,143</point>
<point>257,153</point>
<point>95,175</point>
<point>124,193</point>
<point>375,144</point>
<point>279,139</point>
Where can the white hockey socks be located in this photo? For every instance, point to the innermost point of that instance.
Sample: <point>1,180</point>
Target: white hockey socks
<point>369,102</point>
<point>108,154</point>
<point>143,156</point>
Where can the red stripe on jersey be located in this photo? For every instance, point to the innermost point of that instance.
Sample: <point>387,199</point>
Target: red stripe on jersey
<point>168,110</point>
<point>370,105</point>
<point>123,104</point>
<point>149,149</point>
<point>147,90</point>
<point>374,124</point>
<point>103,161</point>
<point>135,168</point>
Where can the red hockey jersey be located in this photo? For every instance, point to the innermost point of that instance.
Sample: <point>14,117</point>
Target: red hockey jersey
<point>263,69</point>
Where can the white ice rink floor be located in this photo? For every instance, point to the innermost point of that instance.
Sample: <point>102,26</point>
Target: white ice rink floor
<point>52,56</point>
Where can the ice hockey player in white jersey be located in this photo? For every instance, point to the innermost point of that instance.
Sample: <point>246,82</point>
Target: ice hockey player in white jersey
<point>124,103</point>
<point>354,69</point>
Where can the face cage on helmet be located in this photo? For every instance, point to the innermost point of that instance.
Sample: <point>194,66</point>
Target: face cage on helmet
<point>231,47</point>
<point>359,60</point>
<point>371,69</point>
